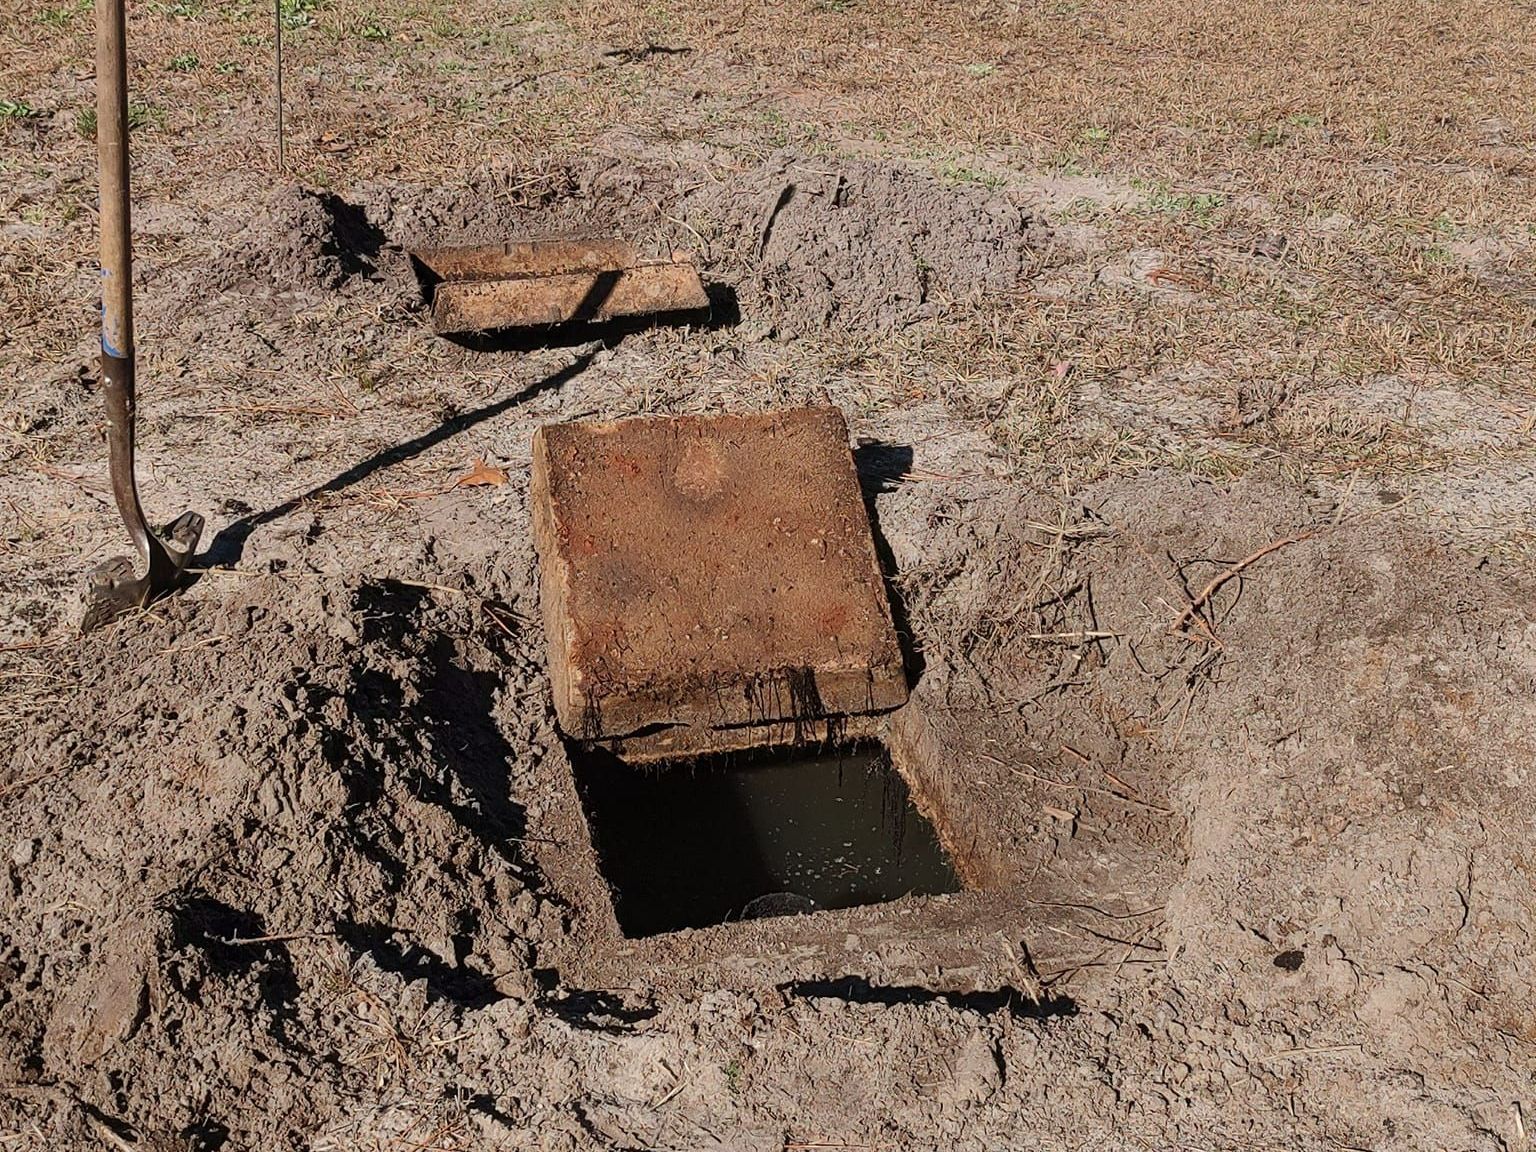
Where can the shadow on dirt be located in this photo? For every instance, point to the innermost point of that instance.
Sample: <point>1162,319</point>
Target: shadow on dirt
<point>591,1011</point>
<point>485,1104</point>
<point>236,942</point>
<point>881,467</point>
<point>449,709</point>
<point>352,240</point>
<point>857,990</point>
<point>431,733</point>
<point>394,951</point>
<point>228,547</point>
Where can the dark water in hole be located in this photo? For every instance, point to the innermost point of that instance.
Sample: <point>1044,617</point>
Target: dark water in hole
<point>733,837</point>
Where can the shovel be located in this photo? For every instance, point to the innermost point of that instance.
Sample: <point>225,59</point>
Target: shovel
<point>545,283</point>
<point>115,587</point>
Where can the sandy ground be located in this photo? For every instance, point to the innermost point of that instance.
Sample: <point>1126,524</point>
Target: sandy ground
<point>1191,399</point>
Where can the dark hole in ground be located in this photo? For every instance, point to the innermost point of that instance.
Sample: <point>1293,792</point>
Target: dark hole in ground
<point>747,835</point>
<point>236,941</point>
<point>205,1136</point>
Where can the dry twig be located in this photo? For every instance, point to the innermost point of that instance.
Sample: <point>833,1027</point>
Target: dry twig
<point>1215,583</point>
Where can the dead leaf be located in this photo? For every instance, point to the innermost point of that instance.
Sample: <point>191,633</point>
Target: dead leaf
<point>482,475</point>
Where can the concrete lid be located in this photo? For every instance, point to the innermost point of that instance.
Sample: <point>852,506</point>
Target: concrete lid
<point>709,571</point>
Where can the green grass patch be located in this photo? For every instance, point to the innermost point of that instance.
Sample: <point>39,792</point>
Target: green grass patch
<point>63,14</point>
<point>1198,207</point>
<point>140,117</point>
<point>1066,163</point>
<point>960,174</point>
<point>373,29</point>
<point>297,13</point>
<point>1268,136</point>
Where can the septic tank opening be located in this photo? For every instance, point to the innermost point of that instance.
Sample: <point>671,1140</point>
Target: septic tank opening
<point>744,835</point>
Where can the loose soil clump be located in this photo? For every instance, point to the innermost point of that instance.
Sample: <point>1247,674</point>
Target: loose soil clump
<point>299,239</point>
<point>864,246</point>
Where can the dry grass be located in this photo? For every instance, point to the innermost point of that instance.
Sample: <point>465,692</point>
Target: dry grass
<point>1262,215</point>
<point>1319,108</point>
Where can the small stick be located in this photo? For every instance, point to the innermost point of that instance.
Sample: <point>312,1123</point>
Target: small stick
<point>24,783</point>
<point>1318,1049</point>
<point>275,410</point>
<point>1071,787</point>
<point>1072,636</point>
<point>280,938</point>
<point>489,613</point>
<point>104,1132</point>
<point>427,586</point>
<point>1069,531</point>
<point>1096,909</point>
<point>27,645</point>
<point>1147,556</point>
<point>1069,972</point>
<point>1232,570</point>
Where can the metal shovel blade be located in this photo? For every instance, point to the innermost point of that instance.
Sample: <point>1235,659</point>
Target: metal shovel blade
<point>543,283</point>
<point>114,586</point>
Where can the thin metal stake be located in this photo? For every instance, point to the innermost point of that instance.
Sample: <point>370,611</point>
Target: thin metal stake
<point>277,25</point>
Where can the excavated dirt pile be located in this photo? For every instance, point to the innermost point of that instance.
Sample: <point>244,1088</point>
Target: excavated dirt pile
<point>281,863</point>
<point>291,756</point>
<point>863,246</point>
<point>299,238</point>
<point>295,860</point>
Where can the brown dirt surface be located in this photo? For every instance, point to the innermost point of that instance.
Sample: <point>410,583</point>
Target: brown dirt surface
<point>864,246</point>
<point>1188,366</point>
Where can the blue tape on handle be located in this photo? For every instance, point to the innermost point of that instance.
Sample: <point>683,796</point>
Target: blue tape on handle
<point>106,341</point>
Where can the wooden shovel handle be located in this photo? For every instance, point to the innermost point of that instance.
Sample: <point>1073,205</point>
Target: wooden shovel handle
<point>117,359</point>
<point>112,156</point>
<point>114,586</point>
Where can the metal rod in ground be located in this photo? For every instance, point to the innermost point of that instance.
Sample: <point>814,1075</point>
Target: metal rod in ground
<point>277,28</point>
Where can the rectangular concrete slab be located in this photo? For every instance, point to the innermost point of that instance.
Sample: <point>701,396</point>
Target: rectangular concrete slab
<point>710,572</point>
<point>575,297</point>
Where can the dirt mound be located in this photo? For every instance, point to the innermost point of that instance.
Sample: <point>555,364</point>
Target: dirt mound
<point>551,198</point>
<point>286,868</point>
<point>245,816</point>
<point>300,239</point>
<point>860,245</point>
